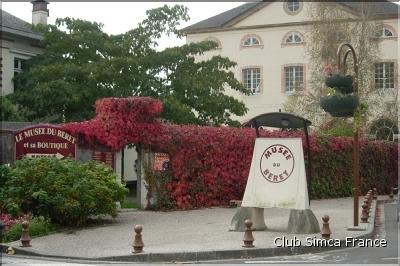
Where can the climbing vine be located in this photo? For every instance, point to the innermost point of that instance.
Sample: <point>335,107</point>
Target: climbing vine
<point>209,165</point>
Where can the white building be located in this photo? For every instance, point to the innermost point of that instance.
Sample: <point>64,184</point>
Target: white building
<point>19,42</point>
<point>267,40</point>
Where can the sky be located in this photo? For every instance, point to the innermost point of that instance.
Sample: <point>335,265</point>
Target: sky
<point>119,17</point>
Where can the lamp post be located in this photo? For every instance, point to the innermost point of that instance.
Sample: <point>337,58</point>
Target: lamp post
<point>347,49</point>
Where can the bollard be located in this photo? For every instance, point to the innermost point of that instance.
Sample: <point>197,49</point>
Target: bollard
<point>248,238</point>
<point>25,238</point>
<point>2,226</point>
<point>375,193</point>
<point>366,202</point>
<point>391,195</point>
<point>364,213</point>
<point>369,197</point>
<point>138,242</point>
<point>325,230</point>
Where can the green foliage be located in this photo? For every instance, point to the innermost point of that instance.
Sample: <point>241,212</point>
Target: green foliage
<point>337,128</point>
<point>82,64</point>
<point>129,205</point>
<point>38,226</point>
<point>66,191</point>
<point>8,111</point>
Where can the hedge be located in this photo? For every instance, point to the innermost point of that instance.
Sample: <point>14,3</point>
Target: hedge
<point>65,191</point>
<point>210,165</point>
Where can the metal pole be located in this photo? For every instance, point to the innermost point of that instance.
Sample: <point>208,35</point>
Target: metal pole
<point>255,124</point>
<point>308,163</point>
<point>356,175</point>
<point>356,148</point>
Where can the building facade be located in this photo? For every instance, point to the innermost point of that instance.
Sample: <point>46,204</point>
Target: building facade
<point>19,42</point>
<point>268,39</point>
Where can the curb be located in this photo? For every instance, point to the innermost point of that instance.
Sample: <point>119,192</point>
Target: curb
<point>217,254</point>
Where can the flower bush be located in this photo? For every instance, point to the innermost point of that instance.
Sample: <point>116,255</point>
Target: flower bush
<point>210,165</point>
<point>38,226</point>
<point>7,220</point>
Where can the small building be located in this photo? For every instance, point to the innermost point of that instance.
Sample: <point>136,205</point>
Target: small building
<point>19,42</point>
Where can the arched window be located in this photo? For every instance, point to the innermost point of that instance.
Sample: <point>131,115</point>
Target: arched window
<point>213,39</point>
<point>293,38</point>
<point>292,7</point>
<point>384,129</point>
<point>385,32</point>
<point>251,40</point>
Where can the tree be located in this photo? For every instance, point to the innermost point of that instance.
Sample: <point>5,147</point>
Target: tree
<point>331,26</point>
<point>8,111</point>
<point>82,63</point>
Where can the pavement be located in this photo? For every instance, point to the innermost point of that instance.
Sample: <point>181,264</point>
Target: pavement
<point>193,235</point>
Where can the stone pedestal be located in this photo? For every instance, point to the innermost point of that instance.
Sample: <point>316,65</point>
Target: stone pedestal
<point>256,215</point>
<point>242,214</point>
<point>302,222</point>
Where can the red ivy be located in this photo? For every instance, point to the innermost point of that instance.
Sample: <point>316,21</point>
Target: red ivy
<point>210,165</point>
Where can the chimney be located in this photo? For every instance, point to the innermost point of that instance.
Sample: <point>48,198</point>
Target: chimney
<point>39,12</point>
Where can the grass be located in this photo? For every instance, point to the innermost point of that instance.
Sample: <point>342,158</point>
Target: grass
<point>129,205</point>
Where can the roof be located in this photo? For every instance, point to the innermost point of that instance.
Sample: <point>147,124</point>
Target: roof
<point>379,8</point>
<point>12,25</point>
<point>223,18</point>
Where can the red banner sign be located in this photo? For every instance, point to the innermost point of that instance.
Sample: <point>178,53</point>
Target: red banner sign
<point>161,161</point>
<point>44,141</point>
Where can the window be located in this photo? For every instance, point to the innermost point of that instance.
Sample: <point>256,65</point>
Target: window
<point>385,32</point>
<point>19,65</point>
<point>293,37</point>
<point>384,129</point>
<point>292,7</point>
<point>384,75</point>
<point>252,79</point>
<point>294,78</point>
<point>251,40</point>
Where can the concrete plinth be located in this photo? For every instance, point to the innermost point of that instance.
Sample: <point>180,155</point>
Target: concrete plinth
<point>302,222</point>
<point>362,227</point>
<point>237,223</point>
<point>256,215</point>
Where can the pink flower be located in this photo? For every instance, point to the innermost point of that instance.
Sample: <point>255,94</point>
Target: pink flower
<point>330,69</point>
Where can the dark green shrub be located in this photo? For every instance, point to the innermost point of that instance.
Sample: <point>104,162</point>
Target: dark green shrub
<point>66,191</point>
<point>339,105</point>
<point>341,83</point>
<point>4,175</point>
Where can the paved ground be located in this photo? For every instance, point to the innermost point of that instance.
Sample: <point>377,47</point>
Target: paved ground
<point>185,232</point>
<point>386,227</point>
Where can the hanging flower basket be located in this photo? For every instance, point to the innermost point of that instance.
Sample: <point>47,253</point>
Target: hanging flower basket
<point>339,105</point>
<point>341,83</point>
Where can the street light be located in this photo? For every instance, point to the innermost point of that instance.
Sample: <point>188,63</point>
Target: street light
<point>343,104</point>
